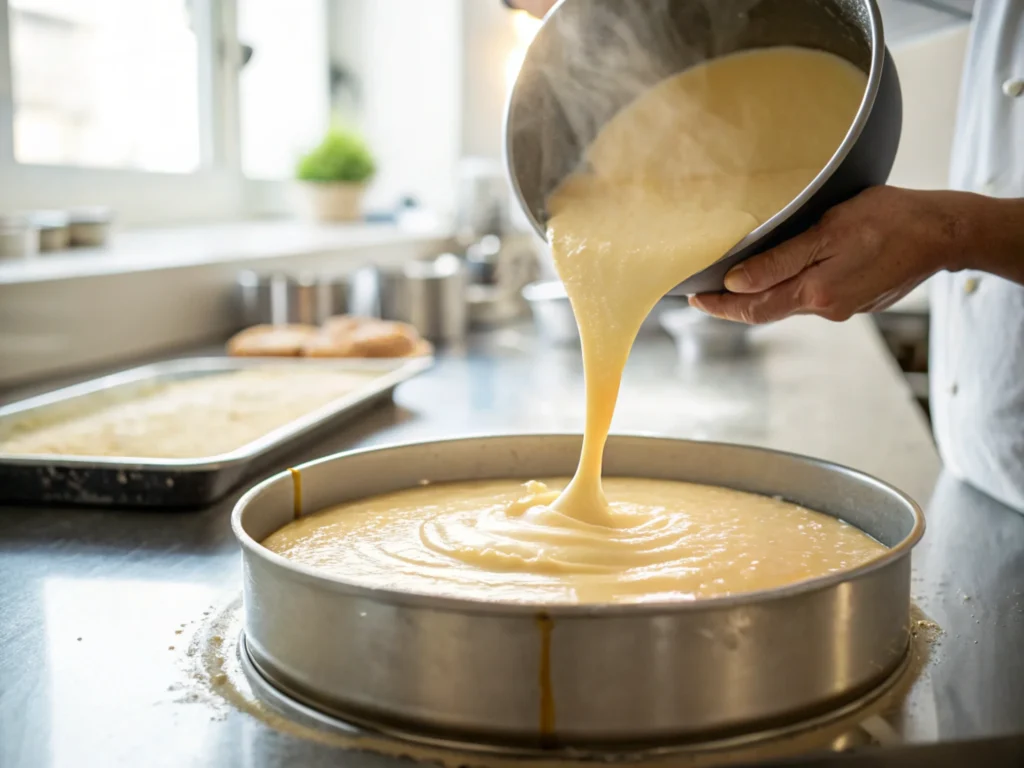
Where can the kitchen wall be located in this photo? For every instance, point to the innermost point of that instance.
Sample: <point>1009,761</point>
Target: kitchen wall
<point>406,56</point>
<point>431,89</point>
<point>929,67</point>
<point>489,39</point>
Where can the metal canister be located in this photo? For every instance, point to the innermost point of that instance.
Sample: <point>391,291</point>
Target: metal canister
<point>263,299</point>
<point>90,227</point>
<point>430,295</point>
<point>278,298</point>
<point>19,238</point>
<point>312,299</point>
<point>54,230</point>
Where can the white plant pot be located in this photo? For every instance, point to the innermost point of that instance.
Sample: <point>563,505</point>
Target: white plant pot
<point>331,201</point>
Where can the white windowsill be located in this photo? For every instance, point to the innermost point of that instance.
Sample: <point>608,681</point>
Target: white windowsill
<point>245,242</point>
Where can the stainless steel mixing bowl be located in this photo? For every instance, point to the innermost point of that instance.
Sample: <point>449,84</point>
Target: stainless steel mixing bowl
<point>591,675</point>
<point>592,57</point>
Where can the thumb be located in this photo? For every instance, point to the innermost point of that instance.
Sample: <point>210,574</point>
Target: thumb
<point>785,261</point>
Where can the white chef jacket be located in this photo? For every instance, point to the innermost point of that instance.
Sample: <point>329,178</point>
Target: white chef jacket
<point>977,330</point>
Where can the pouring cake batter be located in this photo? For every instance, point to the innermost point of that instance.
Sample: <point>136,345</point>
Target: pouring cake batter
<point>671,184</point>
<point>676,180</point>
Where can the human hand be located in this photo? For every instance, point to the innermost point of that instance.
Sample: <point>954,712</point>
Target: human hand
<point>863,256</point>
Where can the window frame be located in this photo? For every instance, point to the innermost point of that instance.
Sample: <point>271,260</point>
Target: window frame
<point>217,191</point>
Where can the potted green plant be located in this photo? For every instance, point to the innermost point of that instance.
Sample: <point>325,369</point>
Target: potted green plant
<point>334,174</point>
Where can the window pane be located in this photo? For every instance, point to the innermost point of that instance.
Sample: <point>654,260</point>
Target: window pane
<point>284,89</point>
<point>105,83</point>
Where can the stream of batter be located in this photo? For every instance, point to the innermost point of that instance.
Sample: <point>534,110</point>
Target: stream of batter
<point>671,184</point>
<point>676,180</point>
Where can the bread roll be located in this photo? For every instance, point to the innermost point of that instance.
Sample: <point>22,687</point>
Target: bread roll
<point>271,341</point>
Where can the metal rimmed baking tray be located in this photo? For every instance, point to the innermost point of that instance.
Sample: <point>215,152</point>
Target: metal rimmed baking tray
<point>586,676</point>
<point>171,483</point>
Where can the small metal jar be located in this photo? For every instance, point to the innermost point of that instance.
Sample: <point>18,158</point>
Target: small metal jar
<point>90,227</point>
<point>312,299</point>
<point>701,337</point>
<point>54,230</point>
<point>19,238</point>
<point>278,299</point>
<point>430,295</point>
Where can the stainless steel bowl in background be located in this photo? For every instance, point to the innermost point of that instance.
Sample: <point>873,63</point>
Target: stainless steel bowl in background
<point>577,675</point>
<point>552,313</point>
<point>607,52</point>
<point>90,227</point>
<point>54,230</point>
<point>19,237</point>
<point>699,336</point>
<point>278,298</point>
<point>555,322</point>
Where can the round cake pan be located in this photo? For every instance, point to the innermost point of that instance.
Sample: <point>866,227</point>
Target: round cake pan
<point>569,675</point>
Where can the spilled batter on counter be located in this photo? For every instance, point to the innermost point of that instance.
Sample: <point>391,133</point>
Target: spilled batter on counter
<point>669,186</point>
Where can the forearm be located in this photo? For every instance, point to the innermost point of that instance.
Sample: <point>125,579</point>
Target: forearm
<point>990,237</point>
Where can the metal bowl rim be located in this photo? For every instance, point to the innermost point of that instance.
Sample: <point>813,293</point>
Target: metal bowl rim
<point>573,610</point>
<point>860,120</point>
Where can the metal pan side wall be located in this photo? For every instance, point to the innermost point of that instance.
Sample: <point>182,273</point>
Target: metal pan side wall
<point>616,679</point>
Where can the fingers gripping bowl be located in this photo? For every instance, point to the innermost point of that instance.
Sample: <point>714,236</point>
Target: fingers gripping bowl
<point>578,675</point>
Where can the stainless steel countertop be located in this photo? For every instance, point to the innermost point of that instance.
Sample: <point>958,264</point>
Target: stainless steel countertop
<point>90,600</point>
